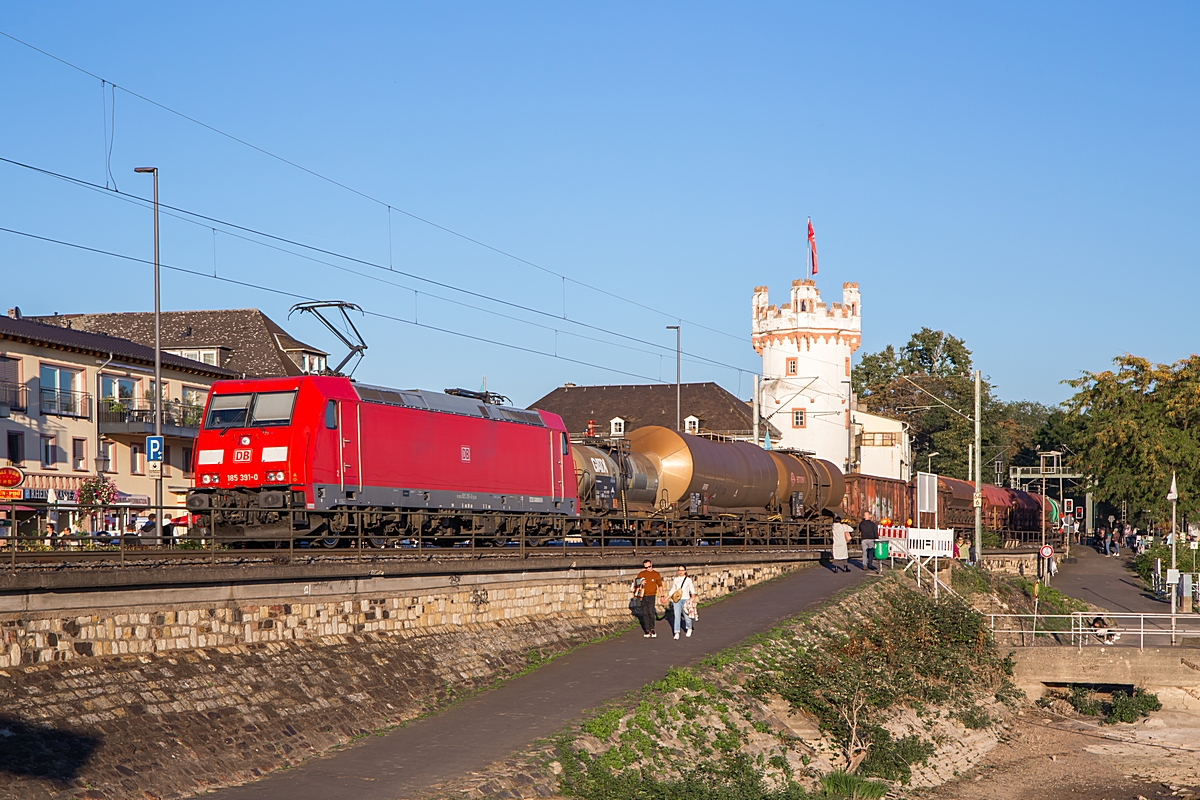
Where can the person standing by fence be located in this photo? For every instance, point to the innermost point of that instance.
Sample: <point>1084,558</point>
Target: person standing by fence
<point>868,531</point>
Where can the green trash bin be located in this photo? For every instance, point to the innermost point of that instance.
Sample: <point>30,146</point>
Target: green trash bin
<point>881,549</point>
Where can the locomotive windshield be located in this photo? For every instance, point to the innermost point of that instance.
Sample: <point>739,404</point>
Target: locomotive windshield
<point>250,410</point>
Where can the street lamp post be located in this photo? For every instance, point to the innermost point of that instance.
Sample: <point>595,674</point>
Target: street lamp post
<point>678,374</point>
<point>929,461</point>
<point>977,501</point>
<point>158,488</point>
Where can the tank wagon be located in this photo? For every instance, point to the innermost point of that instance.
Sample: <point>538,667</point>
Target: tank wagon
<point>325,458</point>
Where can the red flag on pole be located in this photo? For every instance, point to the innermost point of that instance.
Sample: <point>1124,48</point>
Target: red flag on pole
<point>812,246</point>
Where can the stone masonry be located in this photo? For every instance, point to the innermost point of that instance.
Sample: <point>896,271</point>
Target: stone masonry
<point>180,690</point>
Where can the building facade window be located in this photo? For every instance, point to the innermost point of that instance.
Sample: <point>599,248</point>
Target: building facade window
<point>109,450</point>
<point>137,462</point>
<point>60,394</point>
<point>847,366</point>
<point>49,452</point>
<point>879,439</point>
<point>166,462</point>
<point>79,454</point>
<point>616,426</point>
<point>118,390</point>
<point>799,418</point>
<point>16,448</point>
<point>12,393</point>
<point>792,367</point>
<point>187,462</point>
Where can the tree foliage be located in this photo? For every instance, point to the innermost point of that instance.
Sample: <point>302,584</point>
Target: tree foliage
<point>1133,426</point>
<point>932,371</point>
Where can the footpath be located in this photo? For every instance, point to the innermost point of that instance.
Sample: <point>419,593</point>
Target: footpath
<point>1108,582</point>
<point>481,730</point>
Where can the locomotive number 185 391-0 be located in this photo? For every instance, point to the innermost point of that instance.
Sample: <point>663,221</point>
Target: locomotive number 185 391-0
<point>244,477</point>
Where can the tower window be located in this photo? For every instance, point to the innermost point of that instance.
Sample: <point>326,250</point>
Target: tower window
<point>799,418</point>
<point>792,367</point>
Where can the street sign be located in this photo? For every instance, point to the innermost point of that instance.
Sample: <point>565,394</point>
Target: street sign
<point>1047,551</point>
<point>977,500</point>
<point>154,469</point>
<point>154,448</point>
<point>1172,576</point>
<point>1194,545</point>
<point>1069,504</point>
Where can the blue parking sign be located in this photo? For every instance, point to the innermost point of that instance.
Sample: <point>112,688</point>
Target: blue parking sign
<point>154,448</point>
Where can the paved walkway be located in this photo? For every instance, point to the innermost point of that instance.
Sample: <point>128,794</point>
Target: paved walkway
<point>489,727</point>
<point>1108,582</point>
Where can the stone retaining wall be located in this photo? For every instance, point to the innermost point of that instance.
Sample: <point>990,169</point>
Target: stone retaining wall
<point>167,692</point>
<point>170,620</point>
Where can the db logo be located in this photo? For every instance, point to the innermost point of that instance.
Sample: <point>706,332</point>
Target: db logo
<point>241,456</point>
<point>466,454</point>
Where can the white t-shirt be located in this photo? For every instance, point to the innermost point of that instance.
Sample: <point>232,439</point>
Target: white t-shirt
<point>683,584</point>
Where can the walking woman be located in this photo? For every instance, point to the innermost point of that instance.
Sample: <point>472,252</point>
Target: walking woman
<point>681,595</point>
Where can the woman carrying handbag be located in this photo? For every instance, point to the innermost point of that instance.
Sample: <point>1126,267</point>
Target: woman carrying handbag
<point>682,597</point>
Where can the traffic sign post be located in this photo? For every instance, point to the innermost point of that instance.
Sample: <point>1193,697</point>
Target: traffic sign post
<point>155,447</point>
<point>1047,553</point>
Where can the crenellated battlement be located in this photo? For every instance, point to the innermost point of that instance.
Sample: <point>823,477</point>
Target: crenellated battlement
<point>806,311</point>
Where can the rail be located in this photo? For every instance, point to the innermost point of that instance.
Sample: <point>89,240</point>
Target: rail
<point>118,533</point>
<point>122,412</point>
<point>14,395</point>
<point>1083,628</point>
<point>59,403</point>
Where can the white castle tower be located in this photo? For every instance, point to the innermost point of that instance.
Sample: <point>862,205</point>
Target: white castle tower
<point>806,348</point>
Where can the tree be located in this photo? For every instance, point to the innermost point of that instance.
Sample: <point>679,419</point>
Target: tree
<point>1134,426</point>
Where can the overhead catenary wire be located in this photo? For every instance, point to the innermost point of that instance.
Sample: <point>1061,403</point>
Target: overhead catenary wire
<point>192,216</point>
<point>365,196</point>
<point>297,296</point>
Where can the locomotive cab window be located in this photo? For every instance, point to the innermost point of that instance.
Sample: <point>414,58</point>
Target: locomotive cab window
<point>566,445</point>
<point>331,415</point>
<point>250,410</point>
<point>228,411</point>
<point>272,408</point>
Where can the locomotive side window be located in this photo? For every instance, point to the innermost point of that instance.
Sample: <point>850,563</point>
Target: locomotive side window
<point>272,408</point>
<point>331,415</point>
<point>566,445</point>
<point>228,411</point>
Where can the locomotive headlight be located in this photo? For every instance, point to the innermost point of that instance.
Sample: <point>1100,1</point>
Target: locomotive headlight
<point>244,441</point>
<point>206,479</point>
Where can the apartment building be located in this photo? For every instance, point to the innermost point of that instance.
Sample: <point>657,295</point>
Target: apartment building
<point>74,403</point>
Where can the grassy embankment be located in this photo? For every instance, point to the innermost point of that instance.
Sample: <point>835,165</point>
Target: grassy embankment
<point>722,730</point>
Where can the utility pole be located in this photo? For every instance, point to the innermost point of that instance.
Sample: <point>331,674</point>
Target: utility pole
<point>158,488</point>
<point>678,374</point>
<point>978,501</point>
<point>1173,495</point>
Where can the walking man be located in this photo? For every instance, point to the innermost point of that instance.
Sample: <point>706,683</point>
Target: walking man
<point>868,531</point>
<point>647,585</point>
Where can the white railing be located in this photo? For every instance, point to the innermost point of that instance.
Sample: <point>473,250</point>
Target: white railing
<point>1090,628</point>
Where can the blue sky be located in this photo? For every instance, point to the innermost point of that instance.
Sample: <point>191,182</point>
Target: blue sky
<point>1020,175</point>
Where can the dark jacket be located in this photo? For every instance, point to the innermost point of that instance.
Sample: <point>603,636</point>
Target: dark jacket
<point>867,529</point>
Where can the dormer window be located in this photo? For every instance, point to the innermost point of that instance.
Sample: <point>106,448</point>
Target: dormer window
<point>312,363</point>
<point>616,426</point>
<point>691,424</point>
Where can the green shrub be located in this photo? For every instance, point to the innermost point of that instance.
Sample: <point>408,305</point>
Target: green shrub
<point>1131,708</point>
<point>968,580</point>
<point>851,787</point>
<point>603,725</point>
<point>892,759</point>
<point>974,718</point>
<point>1083,700</point>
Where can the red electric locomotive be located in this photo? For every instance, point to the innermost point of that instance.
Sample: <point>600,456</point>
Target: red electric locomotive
<point>328,458</point>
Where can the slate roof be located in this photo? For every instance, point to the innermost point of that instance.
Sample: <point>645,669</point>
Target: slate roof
<point>651,404</point>
<point>252,343</point>
<point>33,332</point>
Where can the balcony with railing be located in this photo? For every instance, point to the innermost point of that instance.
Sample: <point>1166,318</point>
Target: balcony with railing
<point>61,403</point>
<point>136,417</point>
<point>14,396</point>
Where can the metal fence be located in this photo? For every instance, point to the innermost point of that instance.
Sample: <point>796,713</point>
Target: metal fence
<point>119,533</point>
<point>175,412</point>
<point>56,402</point>
<point>1081,629</point>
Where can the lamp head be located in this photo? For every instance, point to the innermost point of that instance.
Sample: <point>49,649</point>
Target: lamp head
<point>145,169</point>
